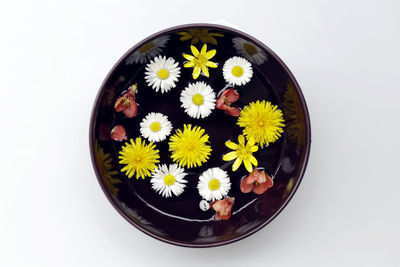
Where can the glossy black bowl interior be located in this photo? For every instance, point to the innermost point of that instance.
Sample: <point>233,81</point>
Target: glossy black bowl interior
<point>179,220</point>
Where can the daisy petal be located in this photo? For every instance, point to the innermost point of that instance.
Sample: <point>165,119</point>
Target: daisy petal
<point>251,141</point>
<point>247,165</point>
<point>253,160</point>
<point>230,156</point>
<point>231,145</point>
<point>189,64</point>
<point>211,64</point>
<point>196,72</point>
<point>241,139</point>
<point>194,50</point>
<point>205,71</point>
<point>203,50</point>
<point>210,54</point>
<point>236,164</point>
<point>254,148</point>
<point>189,57</point>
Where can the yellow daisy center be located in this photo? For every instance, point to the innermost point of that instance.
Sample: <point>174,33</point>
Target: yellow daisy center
<point>163,74</point>
<point>214,184</point>
<point>146,47</point>
<point>169,179</point>
<point>237,71</point>
<point>198,99</point>
<point>155,126</point>
<point>260,123</point>
<point>251,49</point>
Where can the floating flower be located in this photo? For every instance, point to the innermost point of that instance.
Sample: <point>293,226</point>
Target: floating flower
<point>204,205</point>
<point>162,73</point>
<point>148,50</point>
<point>118,133</point>
<point>140,158</point>
<point>190,147</point>
<point>224,102</point>
<point>223,208</point>
<point>126,102</point>
<point>168,180</point>
<point>242,153</point>
<point>200,60</point>
<point>199,34</point>
<point>155,127</point>
<point>257,181</point>
<point>198,100</point>
<point>262,121</point>
<point>249,50</point>
<point>214,184</point>
<point>237,71</point>
<point>104,167</point>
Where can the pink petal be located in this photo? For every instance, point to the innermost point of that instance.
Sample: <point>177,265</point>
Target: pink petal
<point>131,110</point>
<point>253,177</point>
<point>231,94</point>
<point>235,112</point>
<point>245,187</point>
<point>261,188</point>
<point>118,133</point>
<point>223,208</point>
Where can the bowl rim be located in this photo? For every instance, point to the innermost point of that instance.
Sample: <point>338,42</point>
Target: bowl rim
<point>240,34</point>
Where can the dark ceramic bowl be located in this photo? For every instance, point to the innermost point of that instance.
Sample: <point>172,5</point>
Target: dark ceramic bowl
<point>179,220</point>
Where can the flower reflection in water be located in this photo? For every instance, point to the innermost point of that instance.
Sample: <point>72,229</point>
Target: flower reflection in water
<point>295,120</point>
<point>104,167</point>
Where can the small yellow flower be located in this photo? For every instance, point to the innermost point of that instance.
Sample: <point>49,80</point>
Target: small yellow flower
<point>200,60</point>
<point>199,34</point>
<point>140,159</point>
<point>262,121</point>
<point>104,167</point>
<point>189,147</point>
<point>242,153</point>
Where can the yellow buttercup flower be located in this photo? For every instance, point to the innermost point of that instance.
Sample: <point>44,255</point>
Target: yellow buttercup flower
<point>200,60</point>
<point>242,153</point>
<point>140,158</point>
<point>104,167</point>
<point>190,147</point>
<point>199,34</point>
<point>262,121</point>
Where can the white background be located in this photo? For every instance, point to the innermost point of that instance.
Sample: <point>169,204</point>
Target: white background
<point>53,58</point>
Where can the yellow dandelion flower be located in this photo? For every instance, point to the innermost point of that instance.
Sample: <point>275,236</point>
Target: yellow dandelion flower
<point>189,147</point>
<point>199,34</point>
<point>104,167</point>
<point>242,153</point>
<point>200,60</point>
<point>140,158</point>
<point>262,121</point>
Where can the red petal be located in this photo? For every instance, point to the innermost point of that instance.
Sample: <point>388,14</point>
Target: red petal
<point>221,103</point>
<point>119,104</point>
<point>253,177</point>
<point>231,94</point>
<point>118,133</point>
<point>245,187</point>
<point>235,112</point>
<point>223,208</point>
<point>131,111</point>
<point>261,188</point>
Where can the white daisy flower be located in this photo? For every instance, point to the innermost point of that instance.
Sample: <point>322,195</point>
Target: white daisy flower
<point>249,50</point>
<point>214,184</point>
<point>168,181</point>
<point>155,127</point>
<point>148,50</point>
<point>198,100</point>
<point>237,71</point>
<point>162,73</point>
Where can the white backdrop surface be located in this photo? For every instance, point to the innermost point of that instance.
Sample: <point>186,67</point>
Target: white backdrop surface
<point>53,58</point>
